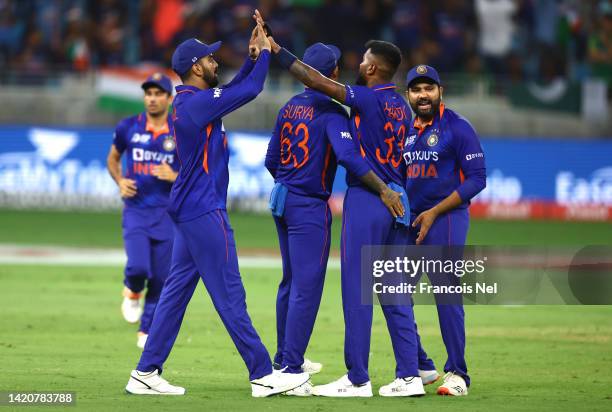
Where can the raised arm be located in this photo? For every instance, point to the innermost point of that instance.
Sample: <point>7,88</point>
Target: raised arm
<point>207,105</point>
<point>303,72</point>
<point>244,71</point>
<point>249,63</point>
<point>311,77</point>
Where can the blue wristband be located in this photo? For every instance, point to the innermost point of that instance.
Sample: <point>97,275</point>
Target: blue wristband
<point>285,58</point>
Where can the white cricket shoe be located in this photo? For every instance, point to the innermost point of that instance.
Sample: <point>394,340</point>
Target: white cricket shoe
<point>429,377</point>
<point>150,383</point>
<point>454,385</point>
<point>344,388</point>
<point>277,382</point>
<point>311,367</point>
<point>142,340</point>
<point>411,386</point>
<point>304,390</point>
<point>130,307</point>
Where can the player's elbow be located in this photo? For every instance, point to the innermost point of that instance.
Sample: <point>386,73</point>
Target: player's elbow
<point>480,181</point>
<point>111,162</point>
<point>271,165</point>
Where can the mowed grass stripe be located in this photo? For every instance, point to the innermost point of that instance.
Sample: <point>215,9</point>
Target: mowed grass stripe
<point>62,330</point>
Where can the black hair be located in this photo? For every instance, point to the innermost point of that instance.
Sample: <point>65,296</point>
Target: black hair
<point>388,52</point>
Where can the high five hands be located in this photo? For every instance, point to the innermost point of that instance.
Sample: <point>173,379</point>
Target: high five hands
<point>259,20</point>
<point>258,41</point>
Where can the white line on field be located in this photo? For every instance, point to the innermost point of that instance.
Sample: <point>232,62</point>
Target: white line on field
<point>67,256</point>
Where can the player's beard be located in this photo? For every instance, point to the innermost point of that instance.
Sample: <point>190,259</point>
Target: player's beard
<point>211,79</point>
<point>434,107</point>
<point>361,80</point>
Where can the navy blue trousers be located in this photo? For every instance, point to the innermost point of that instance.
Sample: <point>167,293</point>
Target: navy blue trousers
<point>304,237</point>
<point>147,237</point>
<point>449,229</point>
<point>366,221</point>
<point>204,248</point>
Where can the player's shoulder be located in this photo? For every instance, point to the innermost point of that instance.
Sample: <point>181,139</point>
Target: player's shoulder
<point>457,122</point>
<point>332,108</point>
<point>354,90</point>
<point>129,121</point>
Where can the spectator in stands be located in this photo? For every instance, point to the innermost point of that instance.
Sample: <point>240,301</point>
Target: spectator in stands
<point>510,39</point>
<point>12,32</point>
<point>497,28</point>
<point>454,22</point>
<point>77,41</point>
<point>600,44</point>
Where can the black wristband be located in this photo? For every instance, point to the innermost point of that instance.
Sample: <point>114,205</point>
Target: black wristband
<point>285,58</point>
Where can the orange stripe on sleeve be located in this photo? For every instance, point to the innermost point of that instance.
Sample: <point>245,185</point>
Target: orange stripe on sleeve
<point>205,157</point>
<point>357,123</point>
<point>327,157</point>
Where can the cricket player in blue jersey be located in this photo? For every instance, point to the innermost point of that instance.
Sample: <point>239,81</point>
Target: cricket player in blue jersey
<point>311,136</point>
<point>147,140</point>
<point>204,246</point>
<point>445,169</point>
<point>380,120</point>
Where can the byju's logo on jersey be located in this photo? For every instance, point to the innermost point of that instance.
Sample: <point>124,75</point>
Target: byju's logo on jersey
<point>141,138</point>
<point>169,144</point>
<point>420,156</point>
<point>346,135</point>
<point>474,156</point>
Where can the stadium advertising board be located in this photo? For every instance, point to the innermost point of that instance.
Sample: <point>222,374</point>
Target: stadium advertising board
<point>526,178</point>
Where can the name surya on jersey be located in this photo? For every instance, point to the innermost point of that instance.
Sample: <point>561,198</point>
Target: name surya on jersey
<point>298,112</point>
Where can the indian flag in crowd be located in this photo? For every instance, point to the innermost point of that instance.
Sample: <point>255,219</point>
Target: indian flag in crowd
<point>119,90</point>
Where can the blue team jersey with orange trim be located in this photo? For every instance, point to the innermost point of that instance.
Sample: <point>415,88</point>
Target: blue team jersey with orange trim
<point>201,141</point>
<point>380,118</point>
<point>443,156</point>
<point>144,149</point>
<point>310,137</point>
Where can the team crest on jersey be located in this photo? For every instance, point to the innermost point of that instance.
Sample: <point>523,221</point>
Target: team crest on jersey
<point>169,144</point>
<point>421,69</point>
<point>432,140</point>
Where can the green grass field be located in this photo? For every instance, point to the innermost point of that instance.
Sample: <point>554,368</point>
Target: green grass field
<point>253,231</point>
<point>61,329</point>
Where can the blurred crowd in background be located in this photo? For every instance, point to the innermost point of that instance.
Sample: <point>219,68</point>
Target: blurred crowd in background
<point>515,39</point>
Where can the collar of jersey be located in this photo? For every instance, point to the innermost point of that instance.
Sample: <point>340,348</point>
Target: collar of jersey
<point>421,126</point>
<point>387,86</point>
<point>186,88</point>
<point>156,132</point>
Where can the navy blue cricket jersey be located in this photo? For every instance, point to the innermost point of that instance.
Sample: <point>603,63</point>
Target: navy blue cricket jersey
<point>201,142</point>
<point>380,118</point>
<point>443,156</point>
<point>144,149</point>
<point>311,136</point>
